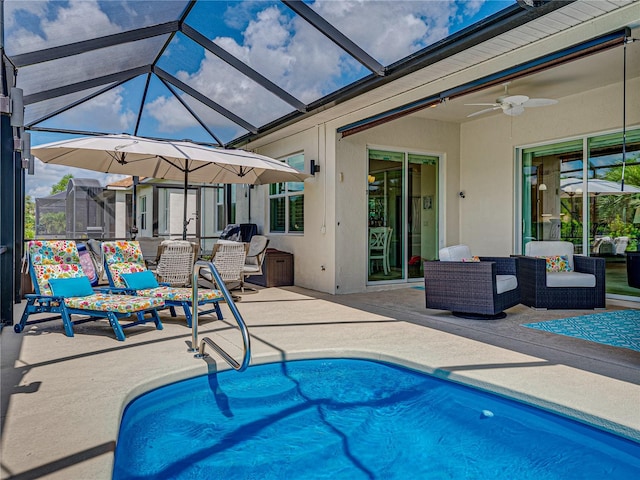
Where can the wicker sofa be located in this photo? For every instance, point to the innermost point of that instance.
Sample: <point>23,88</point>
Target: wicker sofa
<point>583,287</point>
<point>479,290</point>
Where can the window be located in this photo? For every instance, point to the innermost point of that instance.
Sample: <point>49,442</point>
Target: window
<point>286,201</point>
<point>143,212</point>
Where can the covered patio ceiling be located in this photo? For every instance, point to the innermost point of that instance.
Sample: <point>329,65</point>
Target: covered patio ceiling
<point>226,73</point>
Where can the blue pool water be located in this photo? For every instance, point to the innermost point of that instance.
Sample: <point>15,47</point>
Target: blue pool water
<point>354,419</point>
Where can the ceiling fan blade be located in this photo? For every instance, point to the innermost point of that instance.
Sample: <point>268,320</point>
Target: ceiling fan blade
<point>515,99</point>
<point>484,111</point>
<point>514,110</point>
<point>539,102</point>
<point>485,104</point>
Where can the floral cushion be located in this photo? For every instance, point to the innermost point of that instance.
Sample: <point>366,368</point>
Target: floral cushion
<point>104,302</point>
<point>475,258</point>
<point>179,294</point>
<point>122,252</point>
<point>44,273</point>
<point>558,263</point>
<point>117,269</point>
<point>53,252</point>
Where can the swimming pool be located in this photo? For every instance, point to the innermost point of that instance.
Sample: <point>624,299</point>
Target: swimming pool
<point>354,419</point>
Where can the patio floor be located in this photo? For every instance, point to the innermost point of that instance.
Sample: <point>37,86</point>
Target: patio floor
<point>62,397</point>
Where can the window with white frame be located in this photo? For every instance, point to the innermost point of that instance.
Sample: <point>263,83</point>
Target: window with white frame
<point>286,201</point>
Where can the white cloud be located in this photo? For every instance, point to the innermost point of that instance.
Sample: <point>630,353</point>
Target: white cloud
<point>72,22</point>
<point>401,28</point>
<point>105,112</point>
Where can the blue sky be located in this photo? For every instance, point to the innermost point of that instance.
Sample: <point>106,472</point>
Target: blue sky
<point>264,34</point>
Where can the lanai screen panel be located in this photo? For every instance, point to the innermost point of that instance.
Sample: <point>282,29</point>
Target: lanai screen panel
<point>271,39</point>
<point>32,25</point>
<point>220,82</point>
<point>89,65</point>
<point>390,31</point>
<point>223,128</point>
<point>39,110</point>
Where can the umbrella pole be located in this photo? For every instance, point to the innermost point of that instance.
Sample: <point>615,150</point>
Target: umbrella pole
<point>184,203</point>
<point>134,209</point>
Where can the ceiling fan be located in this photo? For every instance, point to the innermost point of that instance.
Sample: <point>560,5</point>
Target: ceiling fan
<point>512,105</point>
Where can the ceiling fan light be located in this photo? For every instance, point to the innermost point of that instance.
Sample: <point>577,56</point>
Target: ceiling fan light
<point>514,110</point>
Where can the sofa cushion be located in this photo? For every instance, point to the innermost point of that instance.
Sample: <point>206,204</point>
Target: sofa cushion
<point>570,279</point>
<point>504,283</point>
<point>550,248</point>
<point>455,253</point>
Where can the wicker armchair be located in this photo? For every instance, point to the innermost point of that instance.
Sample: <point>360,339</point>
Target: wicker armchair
<point>228,258</point>
<point>583,287</point>
<point>255,258</point>
<point>633,269</point>
<point>478,288</point>
<point>175,262</point>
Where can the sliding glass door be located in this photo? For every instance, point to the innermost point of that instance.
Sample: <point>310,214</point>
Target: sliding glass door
<point>402,214</point>
<point>575,191</point>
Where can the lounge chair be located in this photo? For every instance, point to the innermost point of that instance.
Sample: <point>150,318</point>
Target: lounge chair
<point>127,272</point>
<point>62,288</point>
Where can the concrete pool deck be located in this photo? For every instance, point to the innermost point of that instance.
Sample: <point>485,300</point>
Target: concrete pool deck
<point>62,398</point>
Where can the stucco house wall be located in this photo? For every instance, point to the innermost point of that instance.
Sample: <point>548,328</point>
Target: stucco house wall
<point>314,250</point>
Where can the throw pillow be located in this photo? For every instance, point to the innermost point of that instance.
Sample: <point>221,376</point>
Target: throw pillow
<point>558,263</point>
<point>475,258</point>
<point>71,287</point>
<point>140,280</point>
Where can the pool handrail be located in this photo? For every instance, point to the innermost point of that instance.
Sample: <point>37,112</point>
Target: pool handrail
<point>246,356</point>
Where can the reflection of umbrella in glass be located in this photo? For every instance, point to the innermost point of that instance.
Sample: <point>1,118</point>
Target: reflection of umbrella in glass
<point>596,186</point>
<point>172,160</point>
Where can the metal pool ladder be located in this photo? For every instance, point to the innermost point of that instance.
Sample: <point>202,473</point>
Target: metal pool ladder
<point>246,357</point>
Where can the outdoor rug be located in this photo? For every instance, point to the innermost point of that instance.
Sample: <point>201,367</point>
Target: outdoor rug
<point>620,328</point>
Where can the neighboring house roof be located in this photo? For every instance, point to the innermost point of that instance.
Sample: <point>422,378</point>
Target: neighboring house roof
<point>123,183</point>
<point>212,73</point>
<point>126,182</point>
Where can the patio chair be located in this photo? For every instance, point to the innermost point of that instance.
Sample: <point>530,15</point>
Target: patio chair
<point>379,241</point>
<point>94,247</point>
<point>633,269</point>
<point>478,288</point>
<point>255,258</point>
<point>175,262</point>
<point>228,258</point>
<point>150,246</point>
<point>61,287</point>
<point>127,272</point>
<point>551,277</point>
<point>621,244</point>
